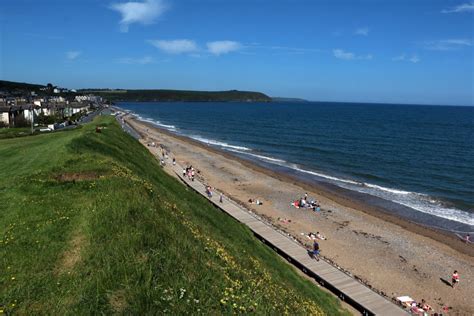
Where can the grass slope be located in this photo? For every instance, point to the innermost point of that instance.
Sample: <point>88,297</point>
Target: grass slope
<point>92,225</point>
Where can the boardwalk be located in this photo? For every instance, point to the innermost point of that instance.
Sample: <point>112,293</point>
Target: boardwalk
<point>343,285</point>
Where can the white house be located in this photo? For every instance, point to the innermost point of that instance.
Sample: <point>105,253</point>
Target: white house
<point>90,98</point>
<point>5,115</point>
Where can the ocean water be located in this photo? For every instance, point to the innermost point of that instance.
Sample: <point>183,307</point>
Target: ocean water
<point>420,158</point>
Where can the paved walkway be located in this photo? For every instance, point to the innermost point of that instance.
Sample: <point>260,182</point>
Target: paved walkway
<point>343,285</point>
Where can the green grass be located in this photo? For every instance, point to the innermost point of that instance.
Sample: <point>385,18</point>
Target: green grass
<point>14,132</point>
<point>92,225</point>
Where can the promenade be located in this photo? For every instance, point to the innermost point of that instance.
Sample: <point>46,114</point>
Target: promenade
<point>343,285</point>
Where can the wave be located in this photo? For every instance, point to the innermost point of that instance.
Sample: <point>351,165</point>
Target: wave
<point>417,201</point>
<point>325,176</point>
<point>157,123</point>
<point>218,143</point>
<point>266,158</point>
<point>378,187</point>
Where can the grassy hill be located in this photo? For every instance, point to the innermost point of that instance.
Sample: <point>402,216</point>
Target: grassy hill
<point>92,225</point>
<point>20,88</point>
<point>180,95</point>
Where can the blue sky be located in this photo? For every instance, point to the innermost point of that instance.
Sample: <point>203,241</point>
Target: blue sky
<point>406,51</point>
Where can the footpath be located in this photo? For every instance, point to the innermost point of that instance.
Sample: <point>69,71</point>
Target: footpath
<point>340,283</point>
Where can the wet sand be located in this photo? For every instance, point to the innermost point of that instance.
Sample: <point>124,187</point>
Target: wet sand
<point>394,256</point>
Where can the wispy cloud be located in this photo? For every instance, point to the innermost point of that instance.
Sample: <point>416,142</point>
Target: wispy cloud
<point>71,55</point>
<point>145,12</point>
<point>447,44</point>
<point>178,46</point>
<point>403,57</point>
<point>136,61</point>
<point>363,31</point>
<point>465,7</point>
<point>294,50</point>
<point>222,47</point>
<point>341,54</point>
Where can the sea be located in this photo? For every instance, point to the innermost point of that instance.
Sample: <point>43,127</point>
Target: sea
<point>414,161</point>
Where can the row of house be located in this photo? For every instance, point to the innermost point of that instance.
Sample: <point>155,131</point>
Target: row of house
<point>14,115</point>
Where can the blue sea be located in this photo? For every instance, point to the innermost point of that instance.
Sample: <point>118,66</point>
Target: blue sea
<point>416,161</point>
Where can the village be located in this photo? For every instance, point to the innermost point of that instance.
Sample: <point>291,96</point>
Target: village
<point>44,108</point>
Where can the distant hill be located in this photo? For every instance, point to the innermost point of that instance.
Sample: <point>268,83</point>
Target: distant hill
<point>11,86</point>
<point>279,99</point>
<point>179,95</point>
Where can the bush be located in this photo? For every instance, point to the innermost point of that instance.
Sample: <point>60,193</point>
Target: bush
<point>45,120</point>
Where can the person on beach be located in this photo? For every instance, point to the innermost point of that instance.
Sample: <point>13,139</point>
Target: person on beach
<point>320,236</point>
<point>455,279</point>
<point>316,250</point>
<point>467,238</point>
<point>424,306</point>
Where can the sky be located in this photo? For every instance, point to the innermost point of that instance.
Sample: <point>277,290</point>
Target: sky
<point>405,51</point>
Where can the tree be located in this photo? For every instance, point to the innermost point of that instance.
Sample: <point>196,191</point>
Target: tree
<point>50,87</point>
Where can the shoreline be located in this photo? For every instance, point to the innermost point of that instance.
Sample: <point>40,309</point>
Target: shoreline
<point>390,255</point>
<point>339,195</point>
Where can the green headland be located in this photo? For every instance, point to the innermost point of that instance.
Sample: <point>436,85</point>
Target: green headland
<point>92,225</point>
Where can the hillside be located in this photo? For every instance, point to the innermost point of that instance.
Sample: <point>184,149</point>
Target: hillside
<point>92,225</point>
<point>180,95</point>
<point>19,87</point>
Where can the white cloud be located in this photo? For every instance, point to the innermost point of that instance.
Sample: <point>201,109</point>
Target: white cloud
<point>222,47</point>
<point>341,54</point>
<point>403,57</point>
<point>71,55</point>
<point>364,31</point>
<point>178,46</point>
<point>136,61</point>
<point>414,59</point>
<point>447,44</point>
<point>465,7</point>
<point>145,12</point>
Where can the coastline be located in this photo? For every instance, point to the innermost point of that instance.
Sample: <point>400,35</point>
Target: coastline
<point>363,216</point>
<point>345,197</point>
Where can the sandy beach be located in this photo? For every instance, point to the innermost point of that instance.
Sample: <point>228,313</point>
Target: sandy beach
<point>394,256</point>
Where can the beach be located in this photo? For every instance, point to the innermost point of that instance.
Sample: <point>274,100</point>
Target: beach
<point>390,254</point>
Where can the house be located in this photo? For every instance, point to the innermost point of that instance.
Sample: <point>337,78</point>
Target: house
<point>90,97</point>
<point>76,107</point>
<point>52,109</point>
<point>20,115</point>
<point>4,116</point>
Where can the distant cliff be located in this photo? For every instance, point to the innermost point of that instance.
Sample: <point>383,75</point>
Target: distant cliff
<point>179,95</point>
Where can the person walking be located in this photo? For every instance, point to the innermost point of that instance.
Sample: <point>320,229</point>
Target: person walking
<point>455,279</point>
<point>316,250</point>
<point>221,198</point>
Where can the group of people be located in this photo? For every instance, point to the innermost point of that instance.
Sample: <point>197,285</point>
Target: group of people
<point>423,308</point>
<point>189,172</point>
<point>420,307</point>
<point>256,201</point>
<point>314,236</point>
<point>304,202</point>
